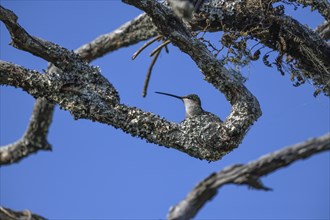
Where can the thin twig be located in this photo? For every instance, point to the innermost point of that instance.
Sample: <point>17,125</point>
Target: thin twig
<point>160,47</point>
<point>146,82</point>
<point>166,49</point>
<point>146,45</point>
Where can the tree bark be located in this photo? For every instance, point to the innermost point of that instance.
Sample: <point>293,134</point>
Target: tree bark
<point>130,33</point>
<point>8,214</point>
<point>307,51</point>
<point>248,174</point>
<point>83,91</point>
<point>80,88</point>
<point>35,136</point>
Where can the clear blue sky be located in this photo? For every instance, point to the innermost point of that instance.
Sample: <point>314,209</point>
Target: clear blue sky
<point>97,172</point>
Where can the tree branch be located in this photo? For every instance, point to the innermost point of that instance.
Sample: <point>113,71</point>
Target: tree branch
<point>323,6</point>
<point>248,174</point>
<point>131,32</point>
<point>245,107</point>
<point>36,46</point>
<point>274,29</point>
<point>306,50</point>
<point>34,138</point>
<point>8,214</point>
<point>277,31</point>
<point>83,91</point>
<point>260,20</point>
<point>14,75</point>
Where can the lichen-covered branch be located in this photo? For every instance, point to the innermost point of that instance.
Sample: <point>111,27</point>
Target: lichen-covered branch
<point>323,6</point>
<point>130,33</point>
<point>53,53</point>
<point>248,174</point>
<point>307,53</point>
<point>35,136</point>
<point>8,214</point>
<point>259,19</point>
<point>17,76</point>
<point>245,107</point>
<point>305,49</point>
<point>83,91</point>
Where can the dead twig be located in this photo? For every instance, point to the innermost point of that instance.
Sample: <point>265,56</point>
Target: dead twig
<point>146,81</point>
<point>157,38</point>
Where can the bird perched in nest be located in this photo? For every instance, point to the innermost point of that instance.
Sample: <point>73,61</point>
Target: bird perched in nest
<point>192,104</point>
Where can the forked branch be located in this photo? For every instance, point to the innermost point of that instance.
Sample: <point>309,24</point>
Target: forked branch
<point>308,52</point>
<point>248,174</point>
<point>33,140</point>
<point>83,91</point>
<point>245,107</point>
<point>35,136</point>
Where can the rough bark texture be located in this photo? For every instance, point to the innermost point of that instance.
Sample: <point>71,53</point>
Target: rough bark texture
<point>307,53</point>
<point>35,136</point>
<point>130,33</point>
<point>247,17</point>
<point>322,6</point>
<point>240,174</point>
<point>8,214</point>
<point>306,50</point>
<point>83,91</point>
<point>76,86</point>
<point>248,174</point>
<point>245,107</point>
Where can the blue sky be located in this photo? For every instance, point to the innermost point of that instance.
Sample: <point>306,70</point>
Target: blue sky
<point>98,172</point>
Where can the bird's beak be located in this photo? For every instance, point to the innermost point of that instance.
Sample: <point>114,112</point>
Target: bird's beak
<point>168,94</point>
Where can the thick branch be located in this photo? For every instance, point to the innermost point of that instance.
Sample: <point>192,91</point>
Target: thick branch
<point>132,32</point>
<point>323,6</point>
<point>248,174</point>
<point>83,91</point>
<point>17,76</point>
<point>34,138</point>
<point>41,48</point>
<point>8,214</point>
<point>245,107</point>
<point>279,32</point>
<point>275,30</point>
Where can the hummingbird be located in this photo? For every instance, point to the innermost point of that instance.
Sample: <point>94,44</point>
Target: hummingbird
<point>192,104</point>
